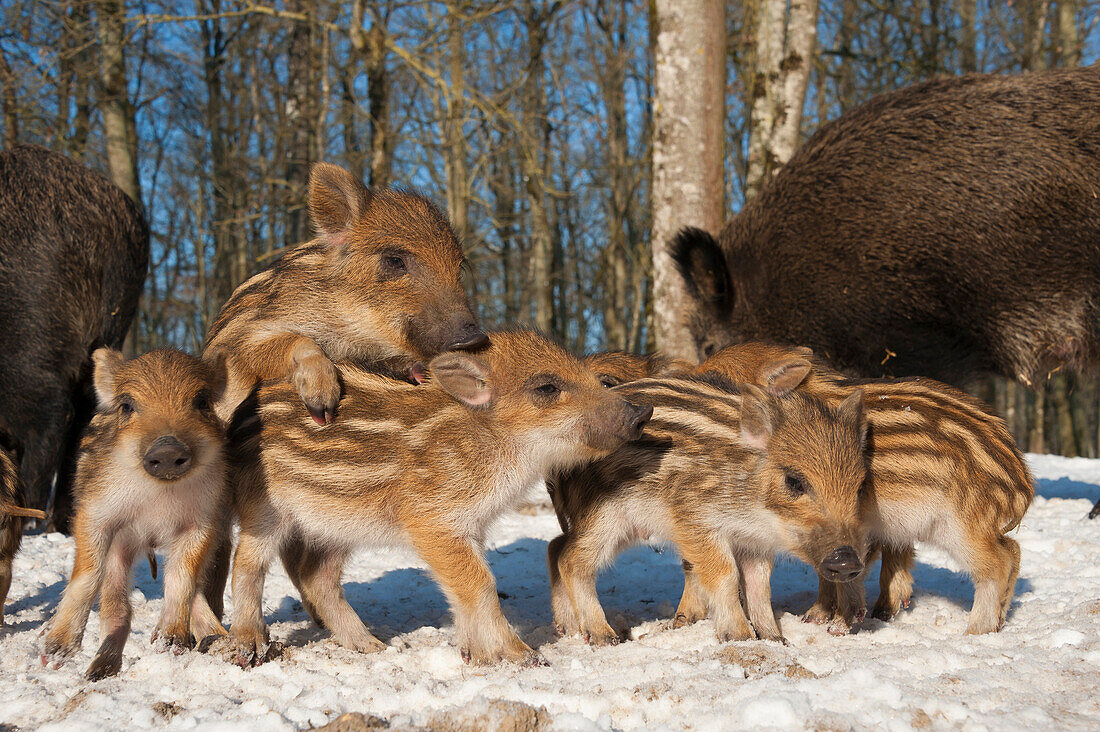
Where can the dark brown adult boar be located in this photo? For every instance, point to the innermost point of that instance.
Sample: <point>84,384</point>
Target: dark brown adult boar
<point>947,229</point>
<point>73,255</point>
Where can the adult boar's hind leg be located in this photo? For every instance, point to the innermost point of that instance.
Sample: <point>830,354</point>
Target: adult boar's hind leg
<point>484,634</point>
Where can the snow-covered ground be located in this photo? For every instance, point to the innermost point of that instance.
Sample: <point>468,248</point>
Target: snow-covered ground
<point>917,672</point>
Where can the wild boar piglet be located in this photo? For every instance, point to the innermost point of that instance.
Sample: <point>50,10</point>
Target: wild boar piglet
<point>382,280</point>
<point>150,473</point>
<point>428,466</point>
<point>619,367</point>
<point>730,478</point>
<point>943,469</point>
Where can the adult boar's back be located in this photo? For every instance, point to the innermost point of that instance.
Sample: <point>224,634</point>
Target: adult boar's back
<point>947,229</point>
<point>73,254</point>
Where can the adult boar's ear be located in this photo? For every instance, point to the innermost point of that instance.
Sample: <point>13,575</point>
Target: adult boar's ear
<point>852,411</point>
<point>105,361</point>
<point>784,375</point>
<point>757,423</point>
<point>701,264</point>
<point>336,200</point>
<point>463,376</point>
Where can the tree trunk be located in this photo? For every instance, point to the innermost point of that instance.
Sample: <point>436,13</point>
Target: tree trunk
<point>846,91</point>
<point>454,137</point>
<point>300,143</point>
<point>611,19</point>
<point>118,113</point>
<point>1063,416</point>
<point>535,150</point>
<point>968,16</point>
<point>1069,48</point>
<point>7,102</point>
<point>1036,431</point>
<point>371,48</point>
<point>1035,23</point>
<point>784,57</point>
<point>688,140</point>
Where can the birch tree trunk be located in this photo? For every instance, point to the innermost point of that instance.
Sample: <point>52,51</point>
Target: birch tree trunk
<point>784,57</point>
<point>688,141</point>
<point>1069,48</point>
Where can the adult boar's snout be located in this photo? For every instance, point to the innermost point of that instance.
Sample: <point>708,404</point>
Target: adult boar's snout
<point>841,565</point>
<point>469,338</point>
<point>167,459</point>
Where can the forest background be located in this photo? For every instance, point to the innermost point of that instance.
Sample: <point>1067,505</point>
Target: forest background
<point>566,139</point>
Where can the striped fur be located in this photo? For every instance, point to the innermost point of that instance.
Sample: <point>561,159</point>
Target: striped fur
<point>944,469</point>
<point>700,480</point>
<point>427,466</point>
<point>123,512</point>
<point>339,297</point>
<point>619,367</point>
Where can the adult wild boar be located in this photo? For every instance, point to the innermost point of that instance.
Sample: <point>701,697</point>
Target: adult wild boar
<point>73,255</point>
<point>947,229</point>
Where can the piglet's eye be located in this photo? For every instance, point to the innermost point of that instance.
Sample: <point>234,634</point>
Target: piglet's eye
<point>795,484</point>
<point>609,381</point>
<point>125,406</point>
<point>394,266</point>
<point>547,390</point>
<point>201,402</point>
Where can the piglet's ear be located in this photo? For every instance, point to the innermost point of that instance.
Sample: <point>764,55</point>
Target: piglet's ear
<point>851,410</point>
<point>106,362</point>
<point>464,377</point>
<point>757,422</point>
<point>783,376</point>
<point>336,200</point>
<point>229,388</point>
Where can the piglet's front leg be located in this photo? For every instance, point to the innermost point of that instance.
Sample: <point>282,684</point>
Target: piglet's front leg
<point>484,634</point>
<point>186,560</point>
<point>115,612</point>
<point>756,578</point>
<point>314,376</point>
<point>66,630</point>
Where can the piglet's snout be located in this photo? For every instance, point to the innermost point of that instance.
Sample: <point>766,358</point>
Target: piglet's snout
<point>167,458</point>
<point>841,565</point>
<point>468,337</point>
<point>636,419</point>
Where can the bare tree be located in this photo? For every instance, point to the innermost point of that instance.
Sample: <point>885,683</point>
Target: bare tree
<point>688,118</point>
<point>118,113</point>
<point>784,58</point>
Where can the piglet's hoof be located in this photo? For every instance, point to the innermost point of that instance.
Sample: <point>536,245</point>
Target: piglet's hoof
<point>174,642</point>
<point>818,615</point>
<point>104,666</point>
